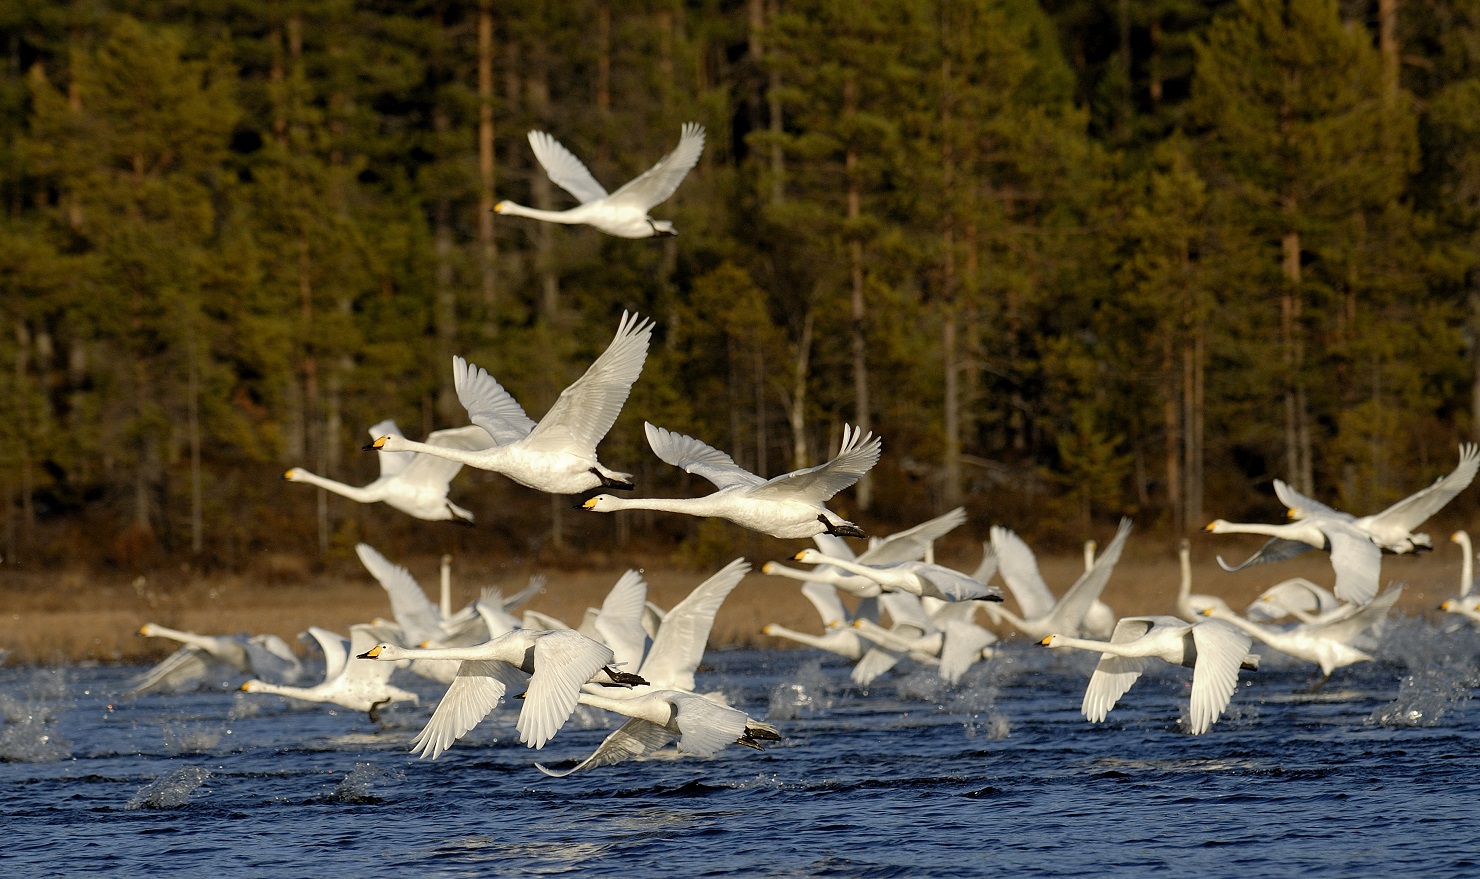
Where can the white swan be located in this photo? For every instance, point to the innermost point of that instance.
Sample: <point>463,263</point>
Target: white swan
<point>415,484</point>
<point>557,662</point>
<point>1189,605</point>
<point>1331,643</point>
<point>1356,559</point>
<point>202,657</point>
<point>1392,529</point>
<point>557,455</point>
<point>358,686</point>
<point>910,545</point>
<point>790,505</point>
<point>1467,603</point>
<point>919,578</point>
<point>1042,615</point>
<point>677,648</point>
<point>623,213</point>
<point>1215,651</point>
<point>1297,597</point>
<point>838,635</point>
<point>702,725</point>
<point>951,640</point>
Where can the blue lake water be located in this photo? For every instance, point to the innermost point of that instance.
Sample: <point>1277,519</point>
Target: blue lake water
<point>1378,773</point>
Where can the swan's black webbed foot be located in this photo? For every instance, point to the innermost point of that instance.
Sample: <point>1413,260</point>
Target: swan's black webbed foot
<point>622,679</point>
<point>841,529</point>
<point>375,709</point>
<point>608,482</point>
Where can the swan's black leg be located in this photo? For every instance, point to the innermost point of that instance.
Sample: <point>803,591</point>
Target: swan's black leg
<point>842,529</point>
<point>608,482</point>
<point>375,710</point>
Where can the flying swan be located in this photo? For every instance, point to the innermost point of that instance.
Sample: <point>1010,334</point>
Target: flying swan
<point>557,455</point>
<point>787,506</point>
<point>1214,650</point>
<point>623,213</point>
<point>415,484</point>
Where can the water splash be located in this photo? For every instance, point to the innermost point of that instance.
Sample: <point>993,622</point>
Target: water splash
<point>195,739</point>
<point>1443,673</point>
<point>170,791</point>
<point>356,785</point>
<point>805,694</point>
<point>32,720</point>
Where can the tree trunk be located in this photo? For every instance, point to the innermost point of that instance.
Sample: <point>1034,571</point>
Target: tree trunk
<point>445,313</point>
<point>797,411</point>
<point>778,156</point>
<point>858,310</point>
<point>192,417</point>
<point>1298,468</point>
<point>537,92</point>
<point>1172,396</point>
<point>488,247</point>
<point>1387,45</point>
<point>951,463</point>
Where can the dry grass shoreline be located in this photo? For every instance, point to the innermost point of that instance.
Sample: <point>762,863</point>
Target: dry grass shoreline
<point>72,617</point>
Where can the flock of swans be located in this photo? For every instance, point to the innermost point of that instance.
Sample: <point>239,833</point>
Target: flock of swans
<point>635,660</point>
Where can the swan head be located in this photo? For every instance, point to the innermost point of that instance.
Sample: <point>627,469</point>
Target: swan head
<point>1052,641</point>
<point>601,503</point>
<point>768,567</point>
<point>1447,604</point>
<point>500,207</point>
<point>147,630</point>
<point>381,651</point>
<point>252,686</point>
<point>1216,526</point>
<point>810,556</point>
<point>768,629</point>
<point>379,444</point>
<point>291,474</point>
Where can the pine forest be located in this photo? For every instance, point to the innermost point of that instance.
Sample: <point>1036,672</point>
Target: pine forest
<point>1069,259</point>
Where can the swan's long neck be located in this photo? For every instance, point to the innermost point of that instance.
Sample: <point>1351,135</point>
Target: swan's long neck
<point>519,210</point>
<point>353,492</point>
<point>1184,589</point>
<point>391,653</point>
<point>812,576</point>
<point>1288,530</point>
<point>1467,568</point>
<point>1094,646</point>
<point>653,711</point>
<point>820,642</point>
<point>691,506</point>
<point>1252,628</point>
<point>462,456</point>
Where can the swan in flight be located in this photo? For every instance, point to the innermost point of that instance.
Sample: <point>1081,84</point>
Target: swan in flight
<point>910,545</point>
<point>919,578</point>
<point>1392,529</point>
<point>623,213</point>
<point>1080,609</point>
<point>557,455</point>
<point>203,657</point>
<point>1331,642</point>
<point>838,635</point>
<point>415,484</point>
<point>786,506</point>
<point>1356,559</point>
<point>358,686</point>
<point>703,727</point>
<point>947,636</point>
<point>1297,597</point>
<point>1215,651</point>
<point>557,663</point>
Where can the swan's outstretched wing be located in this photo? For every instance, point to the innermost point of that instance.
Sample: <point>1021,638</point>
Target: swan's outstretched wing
<point>586,410</point>
<point>943,583</point>
<point>1221,649</point>
<point>185,667</point>
<point>961,648</point>
<point>335,648</point>
<point>829,606</point>
<point>913,543</point>
<point>367,673</point>
<point>563,661</point>
<point>1019,569</point>
<point>705,727</point>
<point>619,622</point>
<point>1275,549</point>
<point>858,454</point>
<point>477,689</point>
<point>1297,594</point>
<point>1114,675</point>
<point>414,613</point>
<point>877,660</point>
<point>272,659</point>
<point>564,169</point>
<point>1071,610</point>
<point>698,458</point>
<point>635,738</point>
<point>1302,507</point>
<point>391,463</point>
<point>1358,564</point>
<point>489,405</point>
<point>987,568</point>
<point>905,609</point>
<point>1416,509</point>
<point>680,642</point>
<point>1349,628</point>
<point>655,185</point>
<point>542,622</point>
